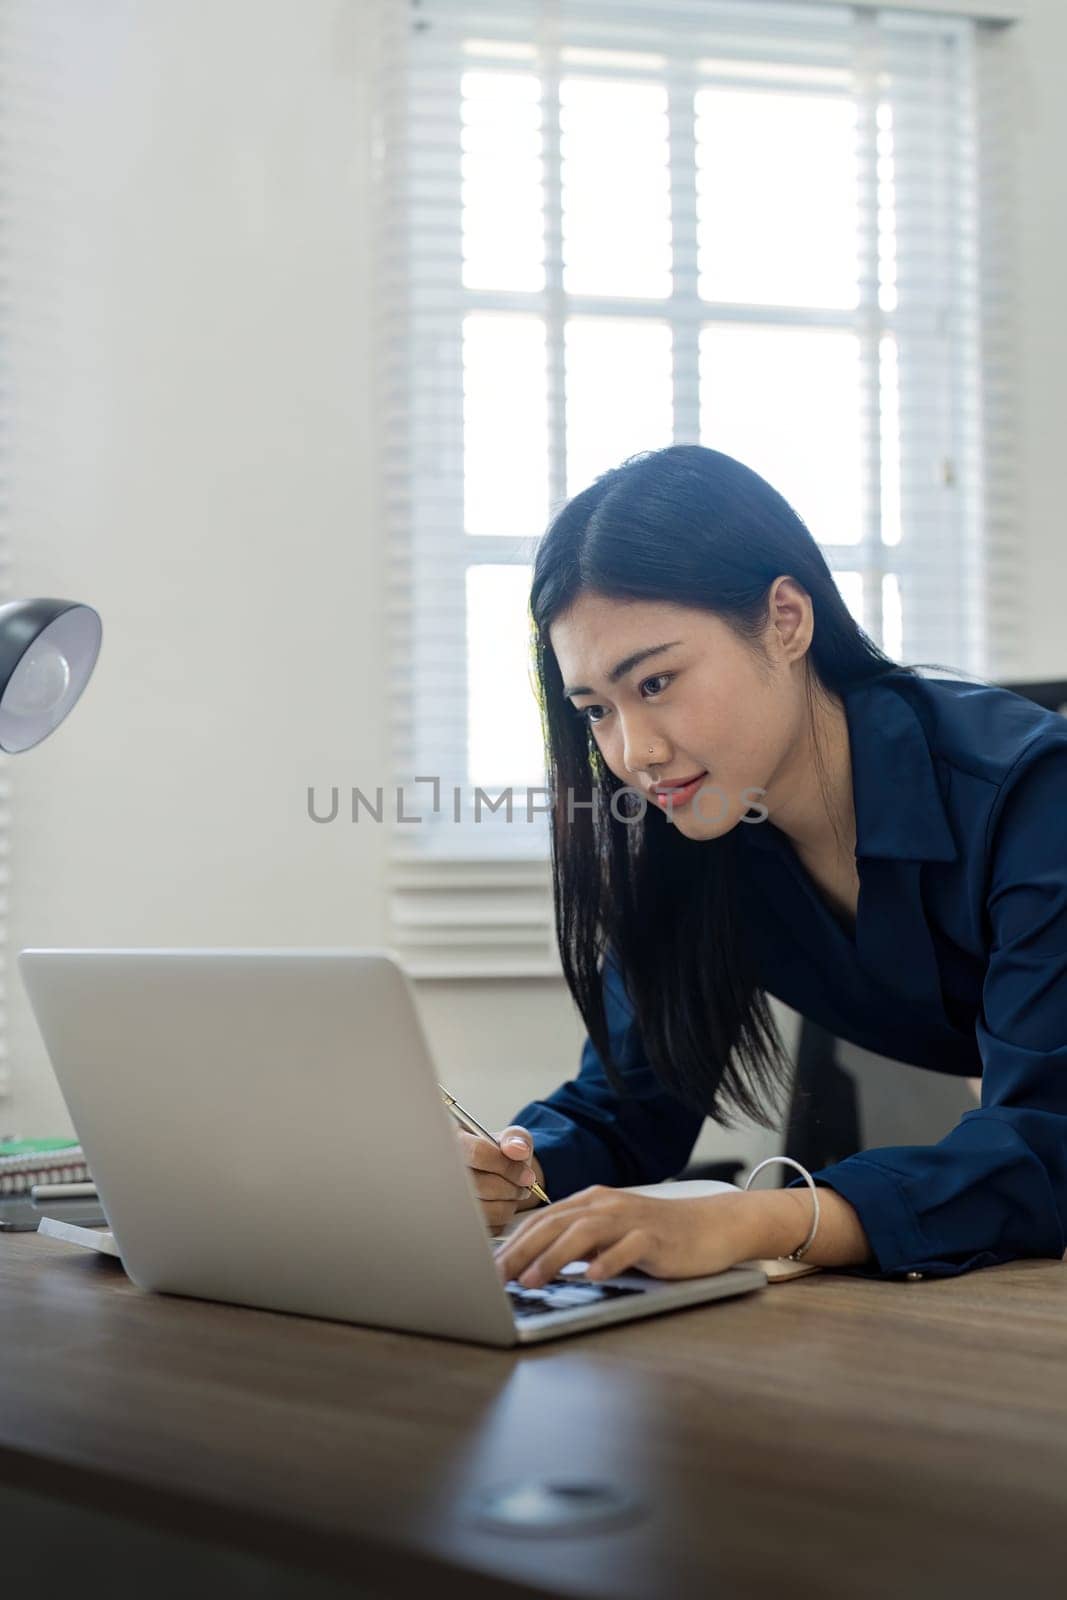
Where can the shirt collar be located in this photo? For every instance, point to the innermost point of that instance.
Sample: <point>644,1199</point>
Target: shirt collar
<point>899,810</point>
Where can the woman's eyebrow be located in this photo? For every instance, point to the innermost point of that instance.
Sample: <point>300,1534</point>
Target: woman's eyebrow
<point>623,667</point>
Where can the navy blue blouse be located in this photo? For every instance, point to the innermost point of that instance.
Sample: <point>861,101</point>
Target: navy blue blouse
<point>958,962</point>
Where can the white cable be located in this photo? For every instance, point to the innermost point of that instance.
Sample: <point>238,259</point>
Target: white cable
<point>802,1250</point>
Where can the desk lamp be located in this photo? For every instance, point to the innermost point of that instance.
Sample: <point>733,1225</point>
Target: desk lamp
<point>48,649</point>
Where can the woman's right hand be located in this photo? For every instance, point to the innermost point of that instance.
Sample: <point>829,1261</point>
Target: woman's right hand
<point>502,1177</point>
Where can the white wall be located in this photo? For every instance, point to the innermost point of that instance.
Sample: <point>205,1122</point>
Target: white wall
<point>196,442</point>
<point>1039,50</point>
<point>195,460</point>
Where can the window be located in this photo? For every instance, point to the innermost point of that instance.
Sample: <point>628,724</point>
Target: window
<point>771,228</point>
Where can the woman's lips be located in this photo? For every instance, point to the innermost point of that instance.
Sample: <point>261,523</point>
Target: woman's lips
<point>680,796</point>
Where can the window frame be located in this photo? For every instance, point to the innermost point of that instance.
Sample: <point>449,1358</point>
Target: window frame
<point>447,917</point>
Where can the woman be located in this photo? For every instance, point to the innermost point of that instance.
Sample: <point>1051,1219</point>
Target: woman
<point>886,853</point>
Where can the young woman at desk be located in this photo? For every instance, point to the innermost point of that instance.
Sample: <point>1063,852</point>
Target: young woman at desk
<point>884,852</point>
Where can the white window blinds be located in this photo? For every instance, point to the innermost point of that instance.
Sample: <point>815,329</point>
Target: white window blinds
<point>782,230</point>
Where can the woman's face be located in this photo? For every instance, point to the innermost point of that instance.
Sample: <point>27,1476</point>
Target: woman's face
<point>698,704</point>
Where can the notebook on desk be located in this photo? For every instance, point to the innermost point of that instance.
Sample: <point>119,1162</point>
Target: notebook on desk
<point>22,1166</point>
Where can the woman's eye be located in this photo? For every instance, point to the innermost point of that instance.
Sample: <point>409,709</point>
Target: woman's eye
<point>586,713</point>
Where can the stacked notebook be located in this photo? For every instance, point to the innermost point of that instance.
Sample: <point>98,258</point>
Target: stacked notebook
<point>25,1162</point>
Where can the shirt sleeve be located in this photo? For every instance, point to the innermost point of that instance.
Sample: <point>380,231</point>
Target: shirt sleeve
<point>994,1189</point>
<point>586,1133</point>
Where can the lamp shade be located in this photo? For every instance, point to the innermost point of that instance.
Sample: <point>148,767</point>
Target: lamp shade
<point>48,649</point>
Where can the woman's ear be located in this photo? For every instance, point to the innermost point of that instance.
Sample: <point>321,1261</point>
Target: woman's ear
<point>792,616</point>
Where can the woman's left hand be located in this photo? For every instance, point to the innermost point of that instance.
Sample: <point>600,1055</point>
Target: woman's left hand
<point>614,1231</point>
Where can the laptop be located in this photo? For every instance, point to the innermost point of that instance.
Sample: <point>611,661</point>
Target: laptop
<point>265,1128</point>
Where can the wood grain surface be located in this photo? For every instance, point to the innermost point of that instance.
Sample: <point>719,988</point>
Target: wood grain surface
<point>831,1437</point>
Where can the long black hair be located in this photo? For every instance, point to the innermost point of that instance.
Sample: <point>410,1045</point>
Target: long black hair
<point>694,527</point>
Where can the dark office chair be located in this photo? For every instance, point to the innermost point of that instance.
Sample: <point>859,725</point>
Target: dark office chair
<point>846,1099</point>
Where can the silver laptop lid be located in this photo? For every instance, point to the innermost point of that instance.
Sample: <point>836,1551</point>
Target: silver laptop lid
<point>265,1127</point>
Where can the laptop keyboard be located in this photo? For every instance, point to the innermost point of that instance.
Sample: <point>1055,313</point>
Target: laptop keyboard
<point>563,1294</point>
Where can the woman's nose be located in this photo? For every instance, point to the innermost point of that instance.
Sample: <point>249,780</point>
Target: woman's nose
<point>640,748</point>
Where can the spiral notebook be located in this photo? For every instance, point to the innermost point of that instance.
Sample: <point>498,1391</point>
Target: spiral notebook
<point>20,1170</point>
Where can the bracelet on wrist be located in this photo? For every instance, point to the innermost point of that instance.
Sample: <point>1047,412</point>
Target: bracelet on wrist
<point>802,1249</point>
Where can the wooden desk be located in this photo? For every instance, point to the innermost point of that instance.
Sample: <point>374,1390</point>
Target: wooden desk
<point>829,1437</point>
